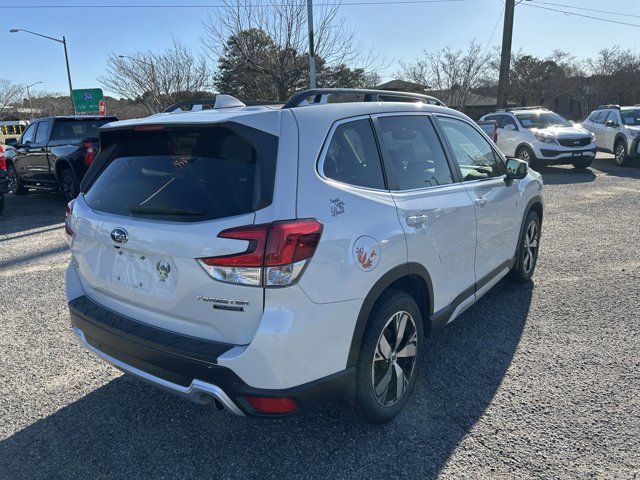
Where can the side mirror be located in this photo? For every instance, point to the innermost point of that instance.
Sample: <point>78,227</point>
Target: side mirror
<point>516,169</point>
<point>510,126</point>
<point>611,123</point>
<point>12,142</point>
<point>572,122</point>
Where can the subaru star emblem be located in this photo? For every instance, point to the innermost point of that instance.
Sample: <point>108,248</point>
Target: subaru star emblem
<point>119,235</point>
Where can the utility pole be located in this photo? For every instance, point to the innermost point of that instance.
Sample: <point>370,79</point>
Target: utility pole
<point>505,54</point>
<point>312,54</point>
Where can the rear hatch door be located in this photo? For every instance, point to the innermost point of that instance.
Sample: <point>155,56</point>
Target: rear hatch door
<point>158,205</point>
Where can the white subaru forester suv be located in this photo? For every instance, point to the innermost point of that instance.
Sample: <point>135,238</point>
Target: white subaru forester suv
<point>542,137</point>
<point>273,258</point>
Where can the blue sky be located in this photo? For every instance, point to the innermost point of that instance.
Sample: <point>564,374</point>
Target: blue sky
<point>395,32</point>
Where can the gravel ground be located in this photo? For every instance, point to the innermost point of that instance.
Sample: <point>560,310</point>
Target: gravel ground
<point>535,381</point>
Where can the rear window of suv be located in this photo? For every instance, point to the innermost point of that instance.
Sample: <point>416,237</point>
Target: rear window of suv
<point>77,129</point>
<point>180,174</point>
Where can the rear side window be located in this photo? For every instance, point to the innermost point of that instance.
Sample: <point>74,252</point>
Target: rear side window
<point>413,155</point>
<point>43,130</point>
<point>77,129</point>
<point>180,174</point>
<point>352,156</point>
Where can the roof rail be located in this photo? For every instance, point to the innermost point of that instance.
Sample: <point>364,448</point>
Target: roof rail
<point>320,95</point>
<point>511,109</point>
<point>601,107</point>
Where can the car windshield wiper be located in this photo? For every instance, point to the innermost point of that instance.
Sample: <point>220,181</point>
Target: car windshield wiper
<point>162,211</point>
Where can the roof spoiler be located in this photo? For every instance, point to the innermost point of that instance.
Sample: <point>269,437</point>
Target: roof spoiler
<point>221,101</point>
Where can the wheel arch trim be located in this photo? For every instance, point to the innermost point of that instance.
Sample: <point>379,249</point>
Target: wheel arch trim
<point>406,270</point>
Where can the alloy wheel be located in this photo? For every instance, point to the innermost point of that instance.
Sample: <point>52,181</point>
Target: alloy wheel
<point>524,155</point>
<point>68,187</point>
<point>620,154</point>
<point>530,247</point>
<point>394,359</point>
<point>13,180</point>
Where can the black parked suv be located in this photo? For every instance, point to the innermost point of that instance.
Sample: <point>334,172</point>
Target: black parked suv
<point>54,153</point>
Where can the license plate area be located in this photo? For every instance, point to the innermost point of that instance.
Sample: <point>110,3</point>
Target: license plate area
<point>130,270</point>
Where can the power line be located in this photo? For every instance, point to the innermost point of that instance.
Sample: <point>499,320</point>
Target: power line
<point>581,15</point>
<point>585,9</point>
<point>327,4</point>
<point>494,30</point>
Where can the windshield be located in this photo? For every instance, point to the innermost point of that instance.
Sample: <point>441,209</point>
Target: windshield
<point>631,117</point>
<point>542,120</point>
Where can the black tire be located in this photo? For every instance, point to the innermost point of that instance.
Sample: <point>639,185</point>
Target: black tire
<point>621,154</point>
<point>385,319</point>
<point>69,185</point>
<point>527,155</point>
<point>527,255</point>
<point>583,163</point>
<point>15,184</point>
<point>1,202</point>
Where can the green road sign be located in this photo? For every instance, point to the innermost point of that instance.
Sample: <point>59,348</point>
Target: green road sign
<point>87,100</point>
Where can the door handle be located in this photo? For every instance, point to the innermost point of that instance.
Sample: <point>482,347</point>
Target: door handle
<point>417,220</point>
<point>480,201</point>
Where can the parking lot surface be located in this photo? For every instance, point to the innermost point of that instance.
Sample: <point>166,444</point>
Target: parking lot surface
<point>534,381</point>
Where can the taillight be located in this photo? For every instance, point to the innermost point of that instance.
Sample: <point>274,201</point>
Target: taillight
<point>276,255</point>
<point>3,162</point>
<point>495,135</point>
<point>67,220</point>
<point>88,153</point>
<point>267,405</point>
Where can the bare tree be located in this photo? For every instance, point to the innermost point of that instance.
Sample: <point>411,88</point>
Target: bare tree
<point>157,79</point>
<point>9,94</point>
<point>268,43</point>
<point>452,73</point>
<point>615,77</point>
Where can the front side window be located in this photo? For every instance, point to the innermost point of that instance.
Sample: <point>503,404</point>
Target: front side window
<point>471,151</point>
<point>413,155</point>
<point>507,120</point>
<point>601,117</point>
<point>29,134</point>
<point>352,156</point>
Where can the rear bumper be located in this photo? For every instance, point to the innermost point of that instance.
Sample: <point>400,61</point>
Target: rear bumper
<point>186,366</point>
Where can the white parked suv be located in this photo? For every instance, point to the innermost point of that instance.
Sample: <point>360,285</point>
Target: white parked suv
<point>273,258</point>
<point>542,137</point>
<point>617,131</point>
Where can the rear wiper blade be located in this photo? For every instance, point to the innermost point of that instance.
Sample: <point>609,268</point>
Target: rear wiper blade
<point>162,211</point>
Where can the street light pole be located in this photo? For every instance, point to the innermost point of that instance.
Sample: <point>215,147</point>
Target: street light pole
<point>66,58</point>
<point>29,93</point>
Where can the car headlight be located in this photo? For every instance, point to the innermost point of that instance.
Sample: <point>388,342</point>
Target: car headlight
<point>545,138</point>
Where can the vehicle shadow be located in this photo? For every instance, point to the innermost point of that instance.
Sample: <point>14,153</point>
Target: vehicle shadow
<point>562,174</point>
<point>609,167</point>
<point>131,430</point>
<point>32,211</point>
